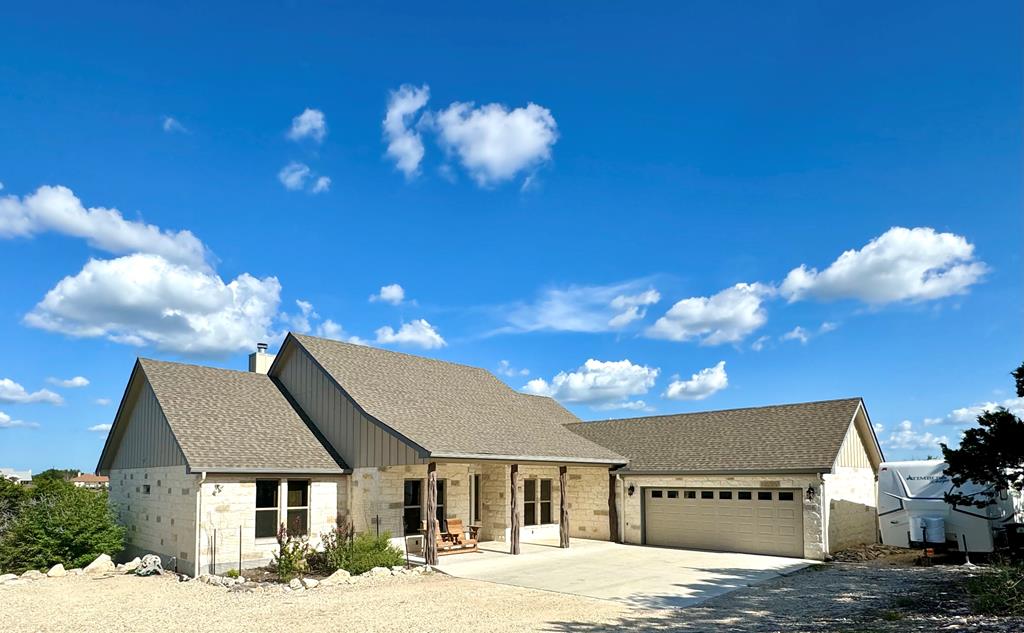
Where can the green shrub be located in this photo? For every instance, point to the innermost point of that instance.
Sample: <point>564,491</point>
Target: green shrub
<point>998,590</point>
<point>232,573</point>
<point>356,555</point>
<point>60,524</point>
<point>290,559</point>
<point>13,498</point>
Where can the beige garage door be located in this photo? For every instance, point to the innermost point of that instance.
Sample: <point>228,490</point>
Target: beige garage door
<point>733,520</point>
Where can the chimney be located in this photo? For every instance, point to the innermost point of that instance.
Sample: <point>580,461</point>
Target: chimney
<point>260,360</point>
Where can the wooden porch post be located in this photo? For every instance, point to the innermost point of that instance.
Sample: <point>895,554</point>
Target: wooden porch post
<point>430,538</point>
<point>514,509</point>
<point>563,507</point>
<point>613,513</point>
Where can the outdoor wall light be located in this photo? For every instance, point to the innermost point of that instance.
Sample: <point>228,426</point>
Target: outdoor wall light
<point>631,490</point>
<point>811,492</point>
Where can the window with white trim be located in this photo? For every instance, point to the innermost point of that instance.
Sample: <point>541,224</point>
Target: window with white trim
<point>266,507</point>
<point>537,502</point>
<point>298,507</point>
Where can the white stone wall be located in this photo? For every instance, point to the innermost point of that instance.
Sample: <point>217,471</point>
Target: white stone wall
<point>228,512</point>
<point>851,511</point>
<point>162,521</point>
<point>813,515</point>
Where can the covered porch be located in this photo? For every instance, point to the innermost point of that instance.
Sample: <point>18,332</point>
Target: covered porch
<point>503,503</point>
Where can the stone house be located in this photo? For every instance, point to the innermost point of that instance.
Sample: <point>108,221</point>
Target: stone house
<point>205,464</point>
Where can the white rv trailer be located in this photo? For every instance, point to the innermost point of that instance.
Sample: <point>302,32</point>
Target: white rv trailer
<point>912,511</point>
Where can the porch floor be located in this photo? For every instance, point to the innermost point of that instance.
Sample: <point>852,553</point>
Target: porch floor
<point>635,575</point>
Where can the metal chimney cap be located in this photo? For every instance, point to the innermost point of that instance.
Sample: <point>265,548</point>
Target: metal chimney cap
<point>261,347</point>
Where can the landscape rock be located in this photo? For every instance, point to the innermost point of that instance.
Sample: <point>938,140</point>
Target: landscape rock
<point>336,578</point>
<point>150,565</point>
<point>102,565</point>
<point>131,565</point>
<point>379,571</point>
<point>7,578</point>
<point>33,574</point>
<point>295,584</point>
<point>398,568</point>
<point>310,583</point>
<point>57,571</point>
<point>77,571</point>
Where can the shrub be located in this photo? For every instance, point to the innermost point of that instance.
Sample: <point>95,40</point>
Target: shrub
<point>13,498</point>
<point>290,559</point>
<point>232,573</point>
<point>998,590</point>
<point>60,524</point>
<point>355,555</point>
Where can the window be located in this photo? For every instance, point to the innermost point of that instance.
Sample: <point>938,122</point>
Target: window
<point>725,494</point>
<point>673,494</point>
<point>656,494</point>
<point>441,519</point>
<point>298,506</point>
<point>764,496</point>
<point>690,494</point>
<point>266,508</point>
<point>529,502</point>
<point>785,496</point>
<point>743,495</point>
<point>474,504</point>
<point>145,489</point>
<point>545,501</point>
<point>412,500</point>
<point>707,494</point>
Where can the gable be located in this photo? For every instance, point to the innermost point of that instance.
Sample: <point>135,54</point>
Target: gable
<point>860,447</point>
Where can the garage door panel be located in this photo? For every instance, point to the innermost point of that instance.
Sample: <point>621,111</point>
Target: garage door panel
<point>761,522</point>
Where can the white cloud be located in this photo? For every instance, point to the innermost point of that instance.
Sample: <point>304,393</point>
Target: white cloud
<point>70,383</point>
<point>495,144</point>
<point>725,317</point>
<point>797,334</point>
<point>7,423</point>
<point>968,416</point>
<point>760,343</point>
<point>100,428</point>
<point>505,368</point>
<point>417,332</point>
<point>905,437</point>
<point>391,293</point>
<point>57,209</point>
<point>310,124</point>
<point>103,402</point>
<point>700,385</point>
<point>11,391</point>
<point>405,146</point>
<point>597,383</point>
<point>146,300</point>
<point>628,405</point>
<point>581,308</point>
<point>301,321</point>
<point>294,175</point>
<point>322,185</point>
<point>330,329</point>
<point>170,124</point>
<point>902,264</point>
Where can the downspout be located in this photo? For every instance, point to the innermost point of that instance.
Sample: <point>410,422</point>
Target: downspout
<point>622,508</point>
<point>199,525</point>
<point>825,519</point>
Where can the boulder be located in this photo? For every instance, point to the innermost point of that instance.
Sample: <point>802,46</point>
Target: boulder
<point>336,578</point>
<point>102,565</point>
<point>150,565</point>
<point>131,565</point>
<point>310,583</point>
<point>77,571</point>
<point>7,578</point>
<point>398,568</point>
<point>33,574</point>
<point>57,571</point>
<point>379,571</point>
<point>295,584</point>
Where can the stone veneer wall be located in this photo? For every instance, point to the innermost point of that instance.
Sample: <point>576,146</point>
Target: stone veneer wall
<point>851,507</point>
<point>813,516</point>
<point>161,522</point>
<point>228,509</point>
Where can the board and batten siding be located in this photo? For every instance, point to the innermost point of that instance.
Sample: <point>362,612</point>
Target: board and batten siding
<point>360,441</point>
<point>853,453</point>
<point>146,440</point>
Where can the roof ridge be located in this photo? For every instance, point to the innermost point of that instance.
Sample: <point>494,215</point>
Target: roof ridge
<point>143,359</point>
<point>382,350</point>
<point>767,406</point>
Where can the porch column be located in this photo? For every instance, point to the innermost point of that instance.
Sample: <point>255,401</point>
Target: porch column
<point>613,512</point>
<point>430,539</point>
<point>563,507</point>
<point>514,507</point>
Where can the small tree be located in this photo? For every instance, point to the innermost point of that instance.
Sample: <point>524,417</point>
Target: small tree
<point>60,524</point>
<point>991,453</point>
<point>12,498</point>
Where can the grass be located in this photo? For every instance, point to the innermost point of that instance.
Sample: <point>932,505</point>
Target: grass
<point>998,590</point>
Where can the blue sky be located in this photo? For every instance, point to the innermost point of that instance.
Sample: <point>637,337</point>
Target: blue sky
<point>611,206</point>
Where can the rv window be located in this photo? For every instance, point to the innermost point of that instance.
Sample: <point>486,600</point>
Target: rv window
<point>764,496</point>
<point>785,496</point>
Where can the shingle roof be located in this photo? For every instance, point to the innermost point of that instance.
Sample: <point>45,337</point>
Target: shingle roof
<point>450,409</point>
<point>225,419</point>
<point>788,437</point>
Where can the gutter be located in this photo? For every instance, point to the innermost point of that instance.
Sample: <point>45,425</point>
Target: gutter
<point>271,471</point>
<point>527,458</point>
<point>750,473</point>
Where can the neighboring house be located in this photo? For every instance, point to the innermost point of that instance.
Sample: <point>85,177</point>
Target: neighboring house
<point>94,482</point>
<point>206,463</point>
<point>16,476</point>
<point>788,480</point>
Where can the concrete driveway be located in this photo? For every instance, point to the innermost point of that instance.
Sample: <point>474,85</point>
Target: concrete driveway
<point>649,577</point>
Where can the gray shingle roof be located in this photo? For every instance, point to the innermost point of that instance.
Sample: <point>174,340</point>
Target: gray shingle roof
<point>450,409</point>
<point>225,419</point>
<point>789,437</point>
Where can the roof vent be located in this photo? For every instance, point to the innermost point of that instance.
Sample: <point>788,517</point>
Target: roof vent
<point>261,347</point>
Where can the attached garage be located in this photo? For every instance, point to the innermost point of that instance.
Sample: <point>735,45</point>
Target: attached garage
<point>725,519</point>
<point>787,480</point>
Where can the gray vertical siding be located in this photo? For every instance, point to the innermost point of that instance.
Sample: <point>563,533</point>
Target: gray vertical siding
<point>357,438</point>
<point>853,453</point>
<point>146,439</point>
